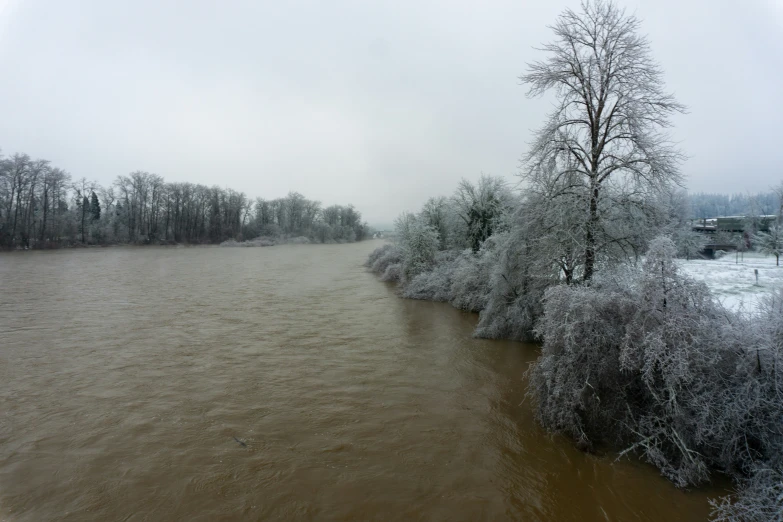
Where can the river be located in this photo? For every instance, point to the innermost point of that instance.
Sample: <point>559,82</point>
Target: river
<point>282,383</point>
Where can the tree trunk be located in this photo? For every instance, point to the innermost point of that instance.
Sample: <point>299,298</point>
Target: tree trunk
<point>590,236</point>
<point>84,213</point>
<point>45,212</point>
<point>16,212</point>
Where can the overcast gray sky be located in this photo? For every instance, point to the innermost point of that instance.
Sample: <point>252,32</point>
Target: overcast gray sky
<point>380,104</point>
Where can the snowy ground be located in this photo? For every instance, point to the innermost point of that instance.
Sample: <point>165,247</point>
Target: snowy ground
<point>735,283</point>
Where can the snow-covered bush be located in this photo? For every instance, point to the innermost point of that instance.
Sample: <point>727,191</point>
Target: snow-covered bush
<point>383,256</point>
<point>577,383</point>
<point>650,362</point>
<point>392,273</point>
<point>752,444</point>
<point>461,278</point>
<point>673,351</point>
<point>435,284</point>
<point>759,499</point>
<point>386,261</point>
<point>689,244</point>
<point>519,278</point>
<point>472,280</point>
<point>418,243</point>
<point>642,360</point>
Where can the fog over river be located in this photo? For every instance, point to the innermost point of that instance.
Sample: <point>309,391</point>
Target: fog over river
<point>147,383</point>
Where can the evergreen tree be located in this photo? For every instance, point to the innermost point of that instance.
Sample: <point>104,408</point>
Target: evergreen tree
<point>85,209</point>
<point>95,207</point>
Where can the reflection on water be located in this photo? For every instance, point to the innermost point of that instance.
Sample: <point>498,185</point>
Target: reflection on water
<point>126,373</point>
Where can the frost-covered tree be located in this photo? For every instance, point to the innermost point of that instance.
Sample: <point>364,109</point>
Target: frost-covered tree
<point>518,281</point>
<point>607,132</point>
<point>550,218</point>
<point>471,283</point>
<point>95,206</point>
<point>770,243</point>
<point>481,208</point>
<point>680,209</point>
<point>689,244</point>
<point>436,213</point>
<point>418,242</point>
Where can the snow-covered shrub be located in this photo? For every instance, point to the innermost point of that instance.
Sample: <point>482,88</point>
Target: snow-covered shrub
<point>377,254</point>
<point>577,383</point>
<point>752,442</point>
<point>383,257</point>
<point>418,242</point>
<point>689,244</point>
<point>517,285</point>
<point>759,498</point>
<point>435,284</point>
<point>392,273</point>
<point>650,361</point>
<point>674,351</point>
<point>472,280</point>
<point>747,395</point>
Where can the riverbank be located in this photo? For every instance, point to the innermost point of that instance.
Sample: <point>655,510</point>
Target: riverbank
<point>644,360</point>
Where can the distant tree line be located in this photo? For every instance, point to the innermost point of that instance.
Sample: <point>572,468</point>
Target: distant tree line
<point>710,205</point>
<point>41,206</point>
<point>752,208</point>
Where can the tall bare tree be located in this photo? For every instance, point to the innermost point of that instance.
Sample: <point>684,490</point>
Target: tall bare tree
<point>607,134</point>
<point>82,189</point>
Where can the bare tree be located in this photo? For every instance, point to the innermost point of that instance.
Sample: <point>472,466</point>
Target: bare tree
<point>82,188</point>
<point>608,127</point>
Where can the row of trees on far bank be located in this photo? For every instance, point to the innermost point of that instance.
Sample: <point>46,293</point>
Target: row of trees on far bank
<point>634,353</point>
<point>709,205</point>
<point>42,206</point>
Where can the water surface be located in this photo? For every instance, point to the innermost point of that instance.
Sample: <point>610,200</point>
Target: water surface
<point>126,373</point>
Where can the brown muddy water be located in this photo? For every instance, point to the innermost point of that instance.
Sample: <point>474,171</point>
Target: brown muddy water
<point>126,374</point>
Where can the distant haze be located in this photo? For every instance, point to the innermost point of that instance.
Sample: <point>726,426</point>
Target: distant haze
<point>380,104</point>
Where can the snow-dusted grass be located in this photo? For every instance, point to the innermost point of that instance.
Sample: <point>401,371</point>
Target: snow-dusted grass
<point>733,283</point>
